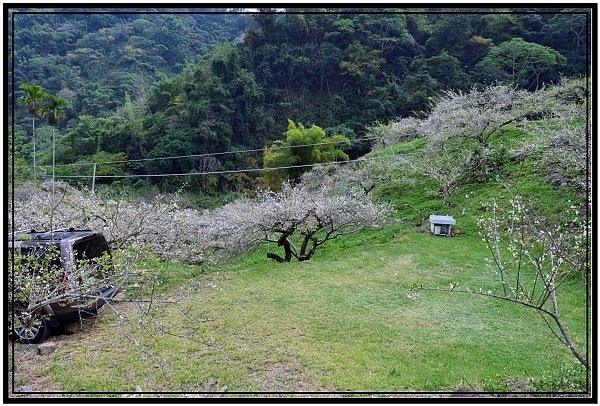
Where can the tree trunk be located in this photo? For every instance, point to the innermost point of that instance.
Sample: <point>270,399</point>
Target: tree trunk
<point>562,328</point>
<point>287,247</point>
<point>288,250</point>
<point>276,257</point>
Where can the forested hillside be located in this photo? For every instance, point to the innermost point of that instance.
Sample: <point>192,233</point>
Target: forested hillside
<point>94,58</point>
<point>145,86</point>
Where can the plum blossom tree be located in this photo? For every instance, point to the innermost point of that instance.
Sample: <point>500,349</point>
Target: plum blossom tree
<point>533,257</point>
<point>562,148</point>
<point>562,151</point>
<point>297,219</point>
<point>359,176</point>
<point>477,114</point>
<point>403,129</point>
<point>446,168</point>
<point>160,226</point>
<point>460,130</point>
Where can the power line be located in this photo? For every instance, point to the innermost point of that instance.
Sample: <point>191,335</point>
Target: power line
<point>209,154</point>
<point>230,171</point>
<point>247,170</point>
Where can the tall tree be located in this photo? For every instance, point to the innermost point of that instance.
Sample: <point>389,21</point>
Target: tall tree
<point>525,64</point>
<point>55,109</point>
<point>34,95</point>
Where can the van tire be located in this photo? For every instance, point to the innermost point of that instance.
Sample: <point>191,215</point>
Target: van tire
<point>31,330</point>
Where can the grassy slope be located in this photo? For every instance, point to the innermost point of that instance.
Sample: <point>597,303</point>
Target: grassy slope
<point>348,320</point>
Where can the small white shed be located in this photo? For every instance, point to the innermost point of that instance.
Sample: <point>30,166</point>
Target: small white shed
<point>441,225</point>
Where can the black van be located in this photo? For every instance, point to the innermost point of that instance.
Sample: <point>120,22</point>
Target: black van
<point>63,250</point>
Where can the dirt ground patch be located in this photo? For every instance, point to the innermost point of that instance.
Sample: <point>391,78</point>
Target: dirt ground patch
<point>27,371</point>
<point>28,368</point>
<point>284,376</point>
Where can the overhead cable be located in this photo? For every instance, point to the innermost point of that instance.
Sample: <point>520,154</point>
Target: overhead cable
<point>230,171</point>
<point>207,154</point>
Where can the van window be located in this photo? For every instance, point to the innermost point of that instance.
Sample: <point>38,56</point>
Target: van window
<point>34,255</point>
<point>90,248</point>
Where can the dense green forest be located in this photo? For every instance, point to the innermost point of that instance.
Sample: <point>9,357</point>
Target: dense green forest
<point>95,59</point>
<point>144,86</point>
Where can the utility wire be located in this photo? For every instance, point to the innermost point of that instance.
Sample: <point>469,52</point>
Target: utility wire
<point>247,170</point>
<point>209,154</point>
<point>225,171</point>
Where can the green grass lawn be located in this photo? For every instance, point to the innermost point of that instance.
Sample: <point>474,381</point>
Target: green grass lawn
<point>354,318</point>
<point>348,320</point>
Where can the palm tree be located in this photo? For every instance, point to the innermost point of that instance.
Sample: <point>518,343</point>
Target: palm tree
<point>34,95</point>
<point>55,109</point>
